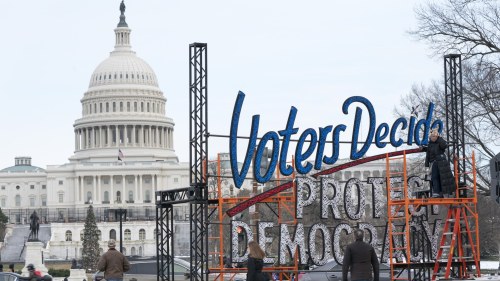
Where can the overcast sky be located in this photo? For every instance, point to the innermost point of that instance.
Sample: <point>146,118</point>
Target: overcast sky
<point>308,54</point>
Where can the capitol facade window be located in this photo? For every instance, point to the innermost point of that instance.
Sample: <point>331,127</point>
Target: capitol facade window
<point>69,235</point>
<point>128,234</point>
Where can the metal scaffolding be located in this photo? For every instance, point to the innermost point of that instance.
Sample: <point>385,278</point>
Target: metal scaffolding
<point>198,140</point>
<point>454,105</point>
<point>196,194</point>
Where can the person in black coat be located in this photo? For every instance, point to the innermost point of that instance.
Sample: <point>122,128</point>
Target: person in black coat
<point>441,176</point>
<point>360,258</point>
<point>255,263</point>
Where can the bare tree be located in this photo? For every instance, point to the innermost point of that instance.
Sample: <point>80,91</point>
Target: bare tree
<point>489,226</point>
<point>467,27</point>
<point>471,28</point>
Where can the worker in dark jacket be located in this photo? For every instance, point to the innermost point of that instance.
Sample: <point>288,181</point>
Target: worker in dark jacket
<point>361,259</point>
<point>441,176</point>
<point>113,263</point>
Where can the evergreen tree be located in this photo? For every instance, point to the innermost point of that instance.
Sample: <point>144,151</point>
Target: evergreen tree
<point>90,253</point>
<point>3,225</point>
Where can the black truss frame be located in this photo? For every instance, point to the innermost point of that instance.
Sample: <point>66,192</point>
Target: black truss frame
<point>197,193</point>
<point>455,131</point>
<point>455,111</point>
<point>164,240</point>
<point>198,154</point>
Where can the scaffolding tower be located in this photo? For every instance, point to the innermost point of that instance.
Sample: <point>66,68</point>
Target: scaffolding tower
<point>458,249</point>
<point>282,205</point>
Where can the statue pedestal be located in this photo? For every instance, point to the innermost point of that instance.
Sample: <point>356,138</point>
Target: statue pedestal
<point>34,256</point>
<point>77,275</point>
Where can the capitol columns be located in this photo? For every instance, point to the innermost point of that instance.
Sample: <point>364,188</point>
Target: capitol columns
<point>117,134</point>
<point>154,180</point>
<point>134,141</point>
<point>141,137</point>
<point>80,188</point>
<point>112,192</point>
<point>94,194</point>
<point>76,140</point>
<point>108,128</point>
<point>135,188</point>
<point>140,189</point>
<point>99,189</point>
<point>123,189</point>
<point>150,139</point>
<point>157,144</point>
<point>125,135</point>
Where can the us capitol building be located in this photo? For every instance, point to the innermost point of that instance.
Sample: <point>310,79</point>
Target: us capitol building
<point>123,112</point>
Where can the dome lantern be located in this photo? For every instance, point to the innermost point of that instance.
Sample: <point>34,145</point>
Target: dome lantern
<point>122,33</point>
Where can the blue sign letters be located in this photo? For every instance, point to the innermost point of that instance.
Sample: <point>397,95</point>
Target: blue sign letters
<point>312,142</point>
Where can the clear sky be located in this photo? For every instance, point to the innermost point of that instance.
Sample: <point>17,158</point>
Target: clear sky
<point>307,54</point>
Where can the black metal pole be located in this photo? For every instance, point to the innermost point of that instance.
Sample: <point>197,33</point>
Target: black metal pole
<point>121,232</point>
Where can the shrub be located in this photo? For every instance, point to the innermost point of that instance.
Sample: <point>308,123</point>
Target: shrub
<point>58,272</point>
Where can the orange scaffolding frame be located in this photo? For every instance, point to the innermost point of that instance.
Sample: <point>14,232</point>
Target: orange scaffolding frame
<point>286,208</point>
<point>462,214</point>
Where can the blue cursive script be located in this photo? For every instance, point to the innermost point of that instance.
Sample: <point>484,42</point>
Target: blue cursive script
<point>312,142</point>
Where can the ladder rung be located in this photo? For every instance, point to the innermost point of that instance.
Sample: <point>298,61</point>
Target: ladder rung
<point>445,247</point>
<point>397,218</point>
<point>447,233</point>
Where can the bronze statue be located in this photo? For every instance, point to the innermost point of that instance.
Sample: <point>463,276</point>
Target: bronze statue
<point>122,8</point>
<point>34,226</point>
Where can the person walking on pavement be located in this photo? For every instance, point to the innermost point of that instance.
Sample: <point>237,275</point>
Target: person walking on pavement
<point>255,263</point>
<point>34,274</point>
<point>361,259</point>
<point>113,263</point>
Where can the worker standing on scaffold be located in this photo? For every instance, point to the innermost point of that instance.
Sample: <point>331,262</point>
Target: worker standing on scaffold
<point>442,180</point>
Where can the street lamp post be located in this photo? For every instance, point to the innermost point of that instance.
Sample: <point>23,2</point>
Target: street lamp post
<point>121,213</point>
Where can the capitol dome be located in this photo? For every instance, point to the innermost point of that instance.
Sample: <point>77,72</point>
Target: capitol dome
<point>123,68</point>
<point>123,109</point>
